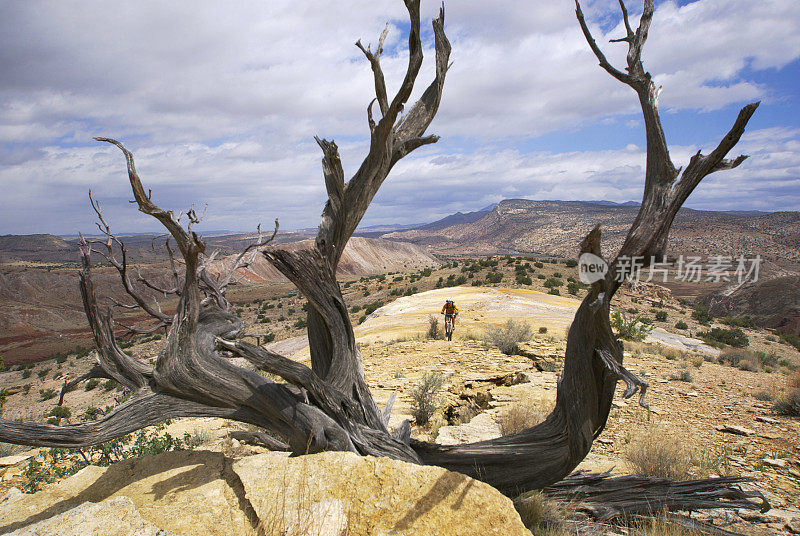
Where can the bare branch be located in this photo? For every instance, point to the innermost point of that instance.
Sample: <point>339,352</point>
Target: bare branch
<point>146,205</point>
<point>375,64</point>
<point>604,63</point>
<point>700,166</point>
<point>632,382</point>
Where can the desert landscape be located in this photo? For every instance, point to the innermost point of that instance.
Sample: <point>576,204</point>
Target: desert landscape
<point>548,321</point>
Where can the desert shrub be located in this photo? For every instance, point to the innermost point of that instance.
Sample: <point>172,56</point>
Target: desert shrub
<point>523,414</point>
<point>554,292</point>
<point>538,264</point>
<point>26,374</point>
<point>792,339</point>
<point>47,394</point>
<point>697,361</point>
<point>684,375</point>
<point>553,282</point>
<point>539,514</point>
<point>733,356</point>
<point>494,277</point>
<point>43,373</point>
<point>630,328</point>
<point>661,316</point>
<point>702,315</point>
<point>2,364</point>
<point>789,403</point>
<point>571,263</point>
<point>2,399</point>
<point>54,464</point>
<point>300,323</point>
<point>738,322</point>
<point>680,324</point>
<point>109,384</point>
<point>508,337</point>
<point>573,287</point>
<point>543,329</point>
<point>660,454</point>
<point>434,331</point>
<point>767,360</point>
<point>91,413</point>
<point>425,397</point>
<point>732,337</point>
<point>764,396</point>
<point>523,279</point>
<point>58,413</point>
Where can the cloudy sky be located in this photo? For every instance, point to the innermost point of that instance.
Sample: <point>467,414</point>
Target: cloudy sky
<point>220,102</point>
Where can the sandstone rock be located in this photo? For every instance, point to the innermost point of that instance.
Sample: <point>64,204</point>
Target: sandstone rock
<point>189,493</point>
<point>378,496</point>
<point>768,420</point>
<point>8,461</point>
<point>114,517</point>
<point>775,462</point>
<point>793,525</point>
<point>735,429</point>
<point>479,428</point>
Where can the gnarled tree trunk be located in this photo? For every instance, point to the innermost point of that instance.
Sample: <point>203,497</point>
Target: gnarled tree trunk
<point>329,406</point>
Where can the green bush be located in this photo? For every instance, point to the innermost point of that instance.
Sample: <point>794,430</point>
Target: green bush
<point>738,322</point>
<point>553,282</point>
<point>630,328</point>
<point>571,263</point>
<point>661,316</point>
<point>55,464</point>
<point>732,337</point>
<point>47,394</point>
<point>702,315</point>
<point>26,373</point>
<point>680,324</point>
<point>425,397</point>
<point>494,277</point>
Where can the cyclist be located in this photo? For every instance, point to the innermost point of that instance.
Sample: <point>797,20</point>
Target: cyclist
<point>449,309</point>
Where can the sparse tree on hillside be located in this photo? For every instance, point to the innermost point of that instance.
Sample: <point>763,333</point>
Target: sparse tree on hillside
<point>329,406</point>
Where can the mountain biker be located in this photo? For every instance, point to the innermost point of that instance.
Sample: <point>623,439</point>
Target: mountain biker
<point>449,309</point>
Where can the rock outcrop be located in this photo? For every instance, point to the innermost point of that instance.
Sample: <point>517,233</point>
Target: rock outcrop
<point>203,493</point>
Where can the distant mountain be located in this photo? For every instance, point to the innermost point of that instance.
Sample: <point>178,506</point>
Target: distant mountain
<point>556,228</point>
<point>457,218</point>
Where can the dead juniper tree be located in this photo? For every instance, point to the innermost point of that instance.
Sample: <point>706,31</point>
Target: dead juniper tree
<point>328,406</point>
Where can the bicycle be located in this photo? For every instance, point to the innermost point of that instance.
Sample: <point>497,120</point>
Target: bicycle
<point>449,326</point>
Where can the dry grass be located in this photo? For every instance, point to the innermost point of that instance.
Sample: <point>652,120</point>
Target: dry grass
<point>657,452</point>
<point>541,515</point>
<point>789,403</point>
<point>659,526</point>
<point>525,413</point>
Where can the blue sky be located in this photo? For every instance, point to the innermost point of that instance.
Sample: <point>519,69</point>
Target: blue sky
<point>220,103</point>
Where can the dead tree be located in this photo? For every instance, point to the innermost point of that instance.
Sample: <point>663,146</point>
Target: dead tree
<point>329,406</point>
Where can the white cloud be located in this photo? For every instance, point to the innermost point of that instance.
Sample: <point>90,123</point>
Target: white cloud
<point>220,101</point>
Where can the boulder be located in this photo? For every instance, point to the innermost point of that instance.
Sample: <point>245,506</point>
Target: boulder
<point>200,493</point>
<point>338,493</point>
<point>113,517</point>
<point>188,493</point>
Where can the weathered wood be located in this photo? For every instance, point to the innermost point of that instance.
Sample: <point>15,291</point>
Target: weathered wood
<point>329,406</point>
<point>606,497</point>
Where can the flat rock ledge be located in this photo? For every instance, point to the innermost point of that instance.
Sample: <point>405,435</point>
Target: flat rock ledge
<point>203,493</point>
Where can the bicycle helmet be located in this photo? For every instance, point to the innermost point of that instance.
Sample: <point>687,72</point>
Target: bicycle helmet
<point>449,300</point>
